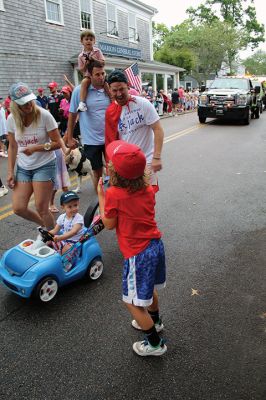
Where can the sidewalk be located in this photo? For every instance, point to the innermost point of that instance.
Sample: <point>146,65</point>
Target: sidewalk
<point>177,114</point>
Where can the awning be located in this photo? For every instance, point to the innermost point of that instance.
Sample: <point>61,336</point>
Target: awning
<point>144,66</point>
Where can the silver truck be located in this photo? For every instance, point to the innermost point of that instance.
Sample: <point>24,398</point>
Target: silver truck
<point>230,98</point>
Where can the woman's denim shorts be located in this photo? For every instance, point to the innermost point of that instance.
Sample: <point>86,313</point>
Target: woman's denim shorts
<point>45,173</point>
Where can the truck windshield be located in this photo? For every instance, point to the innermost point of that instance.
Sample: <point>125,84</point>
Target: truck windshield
<point>230,83</point>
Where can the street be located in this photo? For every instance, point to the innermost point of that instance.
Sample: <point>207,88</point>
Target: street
<point>211,210</point>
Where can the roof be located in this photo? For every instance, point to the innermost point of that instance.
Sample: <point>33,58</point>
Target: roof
<point>146,66</point>
<point>142,5</point>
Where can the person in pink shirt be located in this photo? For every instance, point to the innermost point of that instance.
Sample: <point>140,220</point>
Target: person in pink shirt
<point>90,53</point>
<point>181,95</point>
<point>7,103</point>
<point>133,91</point>
<point>64,107</point>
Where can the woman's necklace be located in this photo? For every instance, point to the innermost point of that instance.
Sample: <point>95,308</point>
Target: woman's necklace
<point>27,120</point>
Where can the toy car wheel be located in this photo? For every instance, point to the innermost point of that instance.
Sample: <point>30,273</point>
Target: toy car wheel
<point>46,290</point>
<point>95,269</point>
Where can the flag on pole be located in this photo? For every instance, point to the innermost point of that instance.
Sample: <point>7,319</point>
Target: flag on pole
<point>133,76</point>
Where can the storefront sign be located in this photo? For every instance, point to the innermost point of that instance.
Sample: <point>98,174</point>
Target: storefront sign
<point>119,51</point>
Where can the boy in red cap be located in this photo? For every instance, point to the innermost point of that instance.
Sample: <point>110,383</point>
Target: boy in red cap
<point>54,101</point>
<point>42,98</point>
<point>128,205</point>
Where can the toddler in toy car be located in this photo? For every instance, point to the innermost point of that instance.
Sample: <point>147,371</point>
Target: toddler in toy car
<point>70,224</point>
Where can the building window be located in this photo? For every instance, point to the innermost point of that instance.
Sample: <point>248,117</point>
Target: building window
<point>111,20</point>
<point>54,11</point>
<point>132,30</point>
<point>2,8</point>
<point>85,14</point>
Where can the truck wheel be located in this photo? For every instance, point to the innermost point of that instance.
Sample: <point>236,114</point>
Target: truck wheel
<point>247,118</point>
<point>257,113</point>
<point>202,119</point>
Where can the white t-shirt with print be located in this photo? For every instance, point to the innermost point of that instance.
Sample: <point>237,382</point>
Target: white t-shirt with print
<point>3,129</point>
<point>67,224</point>
<point>134,125</point>
<point>33,135</point>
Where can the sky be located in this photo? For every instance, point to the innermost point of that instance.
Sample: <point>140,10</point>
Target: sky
<point>172,12</point>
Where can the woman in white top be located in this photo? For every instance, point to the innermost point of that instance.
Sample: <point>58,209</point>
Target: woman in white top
<point>33,137</point>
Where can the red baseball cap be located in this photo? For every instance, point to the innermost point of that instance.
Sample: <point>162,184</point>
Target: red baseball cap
<point>40,89</point>
<point>128,159</point>
<point>7,102</point>
<point>53,85</point>
<point>66,89</point>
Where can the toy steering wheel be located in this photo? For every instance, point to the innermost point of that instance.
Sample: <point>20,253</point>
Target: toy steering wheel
<point>47,236</point>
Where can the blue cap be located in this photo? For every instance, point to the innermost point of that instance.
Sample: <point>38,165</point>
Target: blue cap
<point>21,93</point>
<point>66,197</point>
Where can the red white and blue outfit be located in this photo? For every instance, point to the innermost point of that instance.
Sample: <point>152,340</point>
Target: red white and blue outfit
<point>140,242</point>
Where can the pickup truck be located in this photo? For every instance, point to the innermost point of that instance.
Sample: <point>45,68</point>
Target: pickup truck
<point>229,98</point>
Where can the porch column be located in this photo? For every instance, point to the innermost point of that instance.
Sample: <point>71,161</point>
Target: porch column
<point>174,81</point>
<point>178,80</point>
<point>76,76</point>
<point>165,83</point>
<point>154,83</point>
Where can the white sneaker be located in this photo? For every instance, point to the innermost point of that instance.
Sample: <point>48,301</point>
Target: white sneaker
<point>82,107</point>
<point>145,349</point>
<point>77,190</point>
<point>158,326</point>
<point>3,154</point>
<point>3,191</point>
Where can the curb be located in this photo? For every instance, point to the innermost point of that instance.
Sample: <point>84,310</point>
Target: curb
<point>177,115</point>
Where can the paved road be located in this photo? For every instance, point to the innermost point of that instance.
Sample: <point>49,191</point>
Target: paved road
<point>211,209</point>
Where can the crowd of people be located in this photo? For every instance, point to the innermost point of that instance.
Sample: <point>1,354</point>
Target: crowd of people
<point>172,102</point>
<point>117,128</point>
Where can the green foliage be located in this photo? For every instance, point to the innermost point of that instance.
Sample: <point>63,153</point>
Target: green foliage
<point>184,58</point>
<point>200,49</point>
<point>214,33</point>
<point>159,34</point>
<point>256,64</point>
<point>201,14</point>
<point>237,13</point>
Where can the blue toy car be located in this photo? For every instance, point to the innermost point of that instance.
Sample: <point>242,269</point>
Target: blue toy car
<point>33,268</point>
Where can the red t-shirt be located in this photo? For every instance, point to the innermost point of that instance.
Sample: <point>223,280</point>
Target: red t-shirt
<point>181,93</point>
<point>135,213</point>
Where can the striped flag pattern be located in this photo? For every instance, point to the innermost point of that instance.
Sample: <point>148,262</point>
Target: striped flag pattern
<point>133,76</point>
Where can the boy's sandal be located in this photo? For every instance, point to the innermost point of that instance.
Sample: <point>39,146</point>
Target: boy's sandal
<point>53,209</point>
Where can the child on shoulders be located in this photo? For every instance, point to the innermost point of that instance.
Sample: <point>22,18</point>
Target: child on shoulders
<point>90,53</point>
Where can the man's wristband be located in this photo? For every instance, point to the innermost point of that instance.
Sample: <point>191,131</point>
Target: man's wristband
<point>156,158</point>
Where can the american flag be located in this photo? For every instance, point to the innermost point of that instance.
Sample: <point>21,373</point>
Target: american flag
<point>133,76</point>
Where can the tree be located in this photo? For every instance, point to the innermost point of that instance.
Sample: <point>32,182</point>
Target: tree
<point>200,49</point>
<point>184,58</point>
<point>159,34</point>
<point>234,13</point>
<point>256,64</point>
